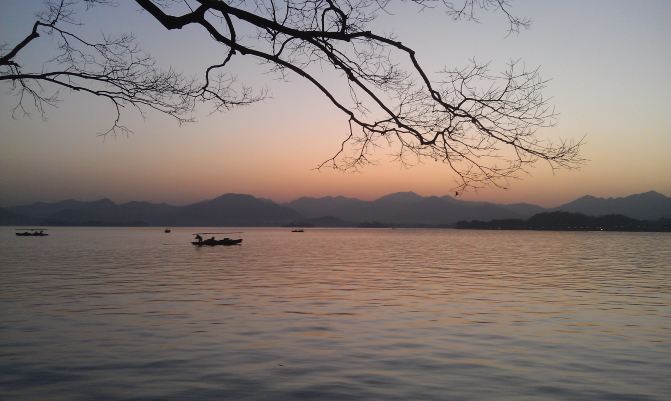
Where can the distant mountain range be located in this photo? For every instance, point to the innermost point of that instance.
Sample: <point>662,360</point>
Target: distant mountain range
<point>408,208</point>
<point>226,210</point>
<point>646,206</point>
<point>403,209</point>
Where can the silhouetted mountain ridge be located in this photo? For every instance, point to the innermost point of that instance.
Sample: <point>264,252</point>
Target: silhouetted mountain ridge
<point>649,205</point>
<point>407,209</point>
<point>401,209</point>
<point>225,210</point>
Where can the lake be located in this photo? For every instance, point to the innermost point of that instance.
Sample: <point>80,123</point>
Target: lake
<point>335,314</point>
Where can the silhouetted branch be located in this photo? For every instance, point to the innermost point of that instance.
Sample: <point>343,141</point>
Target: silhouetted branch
<point>482,125</point>
<point>112,68</point>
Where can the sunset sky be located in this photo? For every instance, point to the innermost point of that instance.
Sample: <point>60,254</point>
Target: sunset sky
<point>608,62</point>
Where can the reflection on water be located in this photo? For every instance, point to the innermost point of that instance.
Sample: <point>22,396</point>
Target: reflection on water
<point>136,314</point>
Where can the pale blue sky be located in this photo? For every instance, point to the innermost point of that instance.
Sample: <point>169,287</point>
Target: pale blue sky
<point>608,61</point>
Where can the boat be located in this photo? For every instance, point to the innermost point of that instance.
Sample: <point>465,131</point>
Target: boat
<point>297,230</point>
<point>214,242</point>
<point>167,231</point>
<point>32,232</point>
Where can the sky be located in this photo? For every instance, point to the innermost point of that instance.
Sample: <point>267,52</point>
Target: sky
<point>608,62</point>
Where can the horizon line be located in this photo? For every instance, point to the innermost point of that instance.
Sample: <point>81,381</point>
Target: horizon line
<point>458,197</point>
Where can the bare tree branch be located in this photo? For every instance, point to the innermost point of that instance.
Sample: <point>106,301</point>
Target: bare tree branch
<point>483,125</point>
<point>112,68</point>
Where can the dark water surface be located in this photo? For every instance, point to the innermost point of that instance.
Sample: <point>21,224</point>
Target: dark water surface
<point>136,314</point>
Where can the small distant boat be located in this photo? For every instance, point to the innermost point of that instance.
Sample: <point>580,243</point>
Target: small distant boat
<point>297,230</point>
<point>32,232</point>
<point>214,242</point>
<point>167,231</point>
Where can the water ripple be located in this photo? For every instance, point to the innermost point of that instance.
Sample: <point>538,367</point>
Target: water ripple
<point>133,314</point>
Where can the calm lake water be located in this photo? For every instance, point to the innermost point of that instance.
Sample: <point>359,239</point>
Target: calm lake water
<point>136,314</point>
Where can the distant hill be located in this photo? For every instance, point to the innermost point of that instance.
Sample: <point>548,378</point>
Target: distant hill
<point>646,206</point>
<point>41,210</point>
<point>566,221</point>
<point>339,207</point>
<point>98,213</point>
<point>235,210</point>
<point>401,209</point>
<point>408,208</point>
<point>226,210</point>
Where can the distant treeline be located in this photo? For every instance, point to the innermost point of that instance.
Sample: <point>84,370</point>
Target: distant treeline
<point>565,221</point>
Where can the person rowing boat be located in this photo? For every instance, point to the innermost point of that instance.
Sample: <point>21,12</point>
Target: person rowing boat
<point>212,241</point>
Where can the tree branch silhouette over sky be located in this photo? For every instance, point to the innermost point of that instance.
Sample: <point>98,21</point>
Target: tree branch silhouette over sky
<point>480,123</point>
